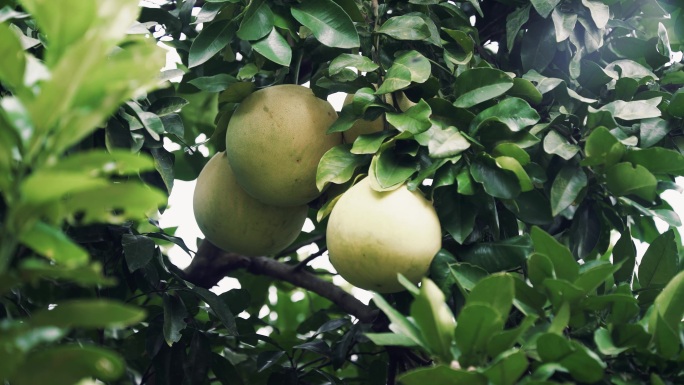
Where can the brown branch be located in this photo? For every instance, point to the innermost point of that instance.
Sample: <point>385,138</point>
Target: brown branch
<point>211,264</point>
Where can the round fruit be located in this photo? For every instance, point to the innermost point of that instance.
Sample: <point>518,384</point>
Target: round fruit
<point>234,221</point>
<point>373,235</point>
<point>274,141</point>
<point>362,126</point>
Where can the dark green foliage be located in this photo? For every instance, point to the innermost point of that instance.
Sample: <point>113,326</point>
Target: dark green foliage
<point>544,131</point>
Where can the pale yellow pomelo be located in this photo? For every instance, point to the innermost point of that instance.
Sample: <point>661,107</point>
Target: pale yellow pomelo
<point>234,221</point>
<point>372,236</point>
<point>362,126</point>
<point>274,141</point>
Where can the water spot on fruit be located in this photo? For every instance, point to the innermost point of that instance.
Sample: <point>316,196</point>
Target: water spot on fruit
<point>265,109</point>
<point>299,160</point>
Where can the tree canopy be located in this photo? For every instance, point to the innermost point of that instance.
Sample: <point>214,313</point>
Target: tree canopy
<point>543,132</point>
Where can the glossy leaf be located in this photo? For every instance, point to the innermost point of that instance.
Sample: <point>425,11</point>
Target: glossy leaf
<point>399,323</point>
<point>337,166</point>
<point>328,21</point>
<point>659,263</point>
<point>138,250</point>
<point>408,67</point>
<point>434,319</point>
<point>92,314</point>
<point>442,374</point>
<point>556,144</point>
<point>507,368</point>
<point>389,170</point>
<point>474,327</point>
<point>625,179</point>
<point>496,181</point>
<point>478,85</point>
<point>624,252</point>
<point>212,39</point>
<point>496,291</point>
<point>658,160</point>
<point>361,63</point>
<point>566,188</point>
<point>274,47</point>
<point>257,21</point>
<point>414,120</point>
<point>564,263</point>
<point>405,28</point>
<point>499,256</point>
<point>515,113</point>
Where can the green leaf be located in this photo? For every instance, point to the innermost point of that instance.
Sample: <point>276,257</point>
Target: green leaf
<point>600,12</point>
<point>583,364</point>
<point>658,160</point>
<point>174,318</point>
<point>505,339</point>
<point>138,250</point>
<point>167,105</point>
<point>405,28</point>
<point>564,23</point>
<point>651,131</point>
<point>544,7</point>
<point>97,162</point>
<point>507,368</point>
<point>414,120</point>
<point>624,252</point>
<point>408,67</point>
<point>478,85</point>
<point>13,59</point>
<point>257,21</point>
<point>462,50</point>
<point>474,327</point>
<point>390,339</point>
<point>215,83</point>
<point>524,89</point>
<point>370,143</point>
<point>593,274</point>
<point>624,179</point>
<point>564,263</point>
<point>152,123</point>
<point>218,307</point>
<point>211,40</point>
<point>337,166</point>
<point>52,243</point>
<point>669,304</point>
<point>512,150</point>
<point>328,21</point>
<point>556,144</point>
<point>514,22</point>
<point>497,182</point>
<point>399,323</point>
<point>538,45</point>
<point>566,188</point>
<point>274,47</point>
<point>361,63</point>
<point>660,262</point>
<point>88,313</point>
<point>434,320</point>
<point>442,374</point>
<point>456,213</point>
<point>634,110</point>
<point>388,170</point>
<point>604,343</point>
<point>504,255</point>
<point>467,275</point>
<point>511,164</point>
<point>496,291</point>
<point>115,202</point>
<point>515,113</point>
<point>676,107</point>
<point>66,365</point>
<point>90,275</point>
<point>34,191</point>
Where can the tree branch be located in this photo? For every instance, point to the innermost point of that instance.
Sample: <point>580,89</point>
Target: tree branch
<point>211,264</point>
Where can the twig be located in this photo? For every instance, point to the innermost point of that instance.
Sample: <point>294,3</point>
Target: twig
<point>310,258</point>
<point>299,245</point>
<point>211,264</point>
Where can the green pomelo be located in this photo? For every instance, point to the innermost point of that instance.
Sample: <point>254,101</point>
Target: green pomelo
<point>274,141</point>
<point>234,221</point>
<point>372,236</point>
